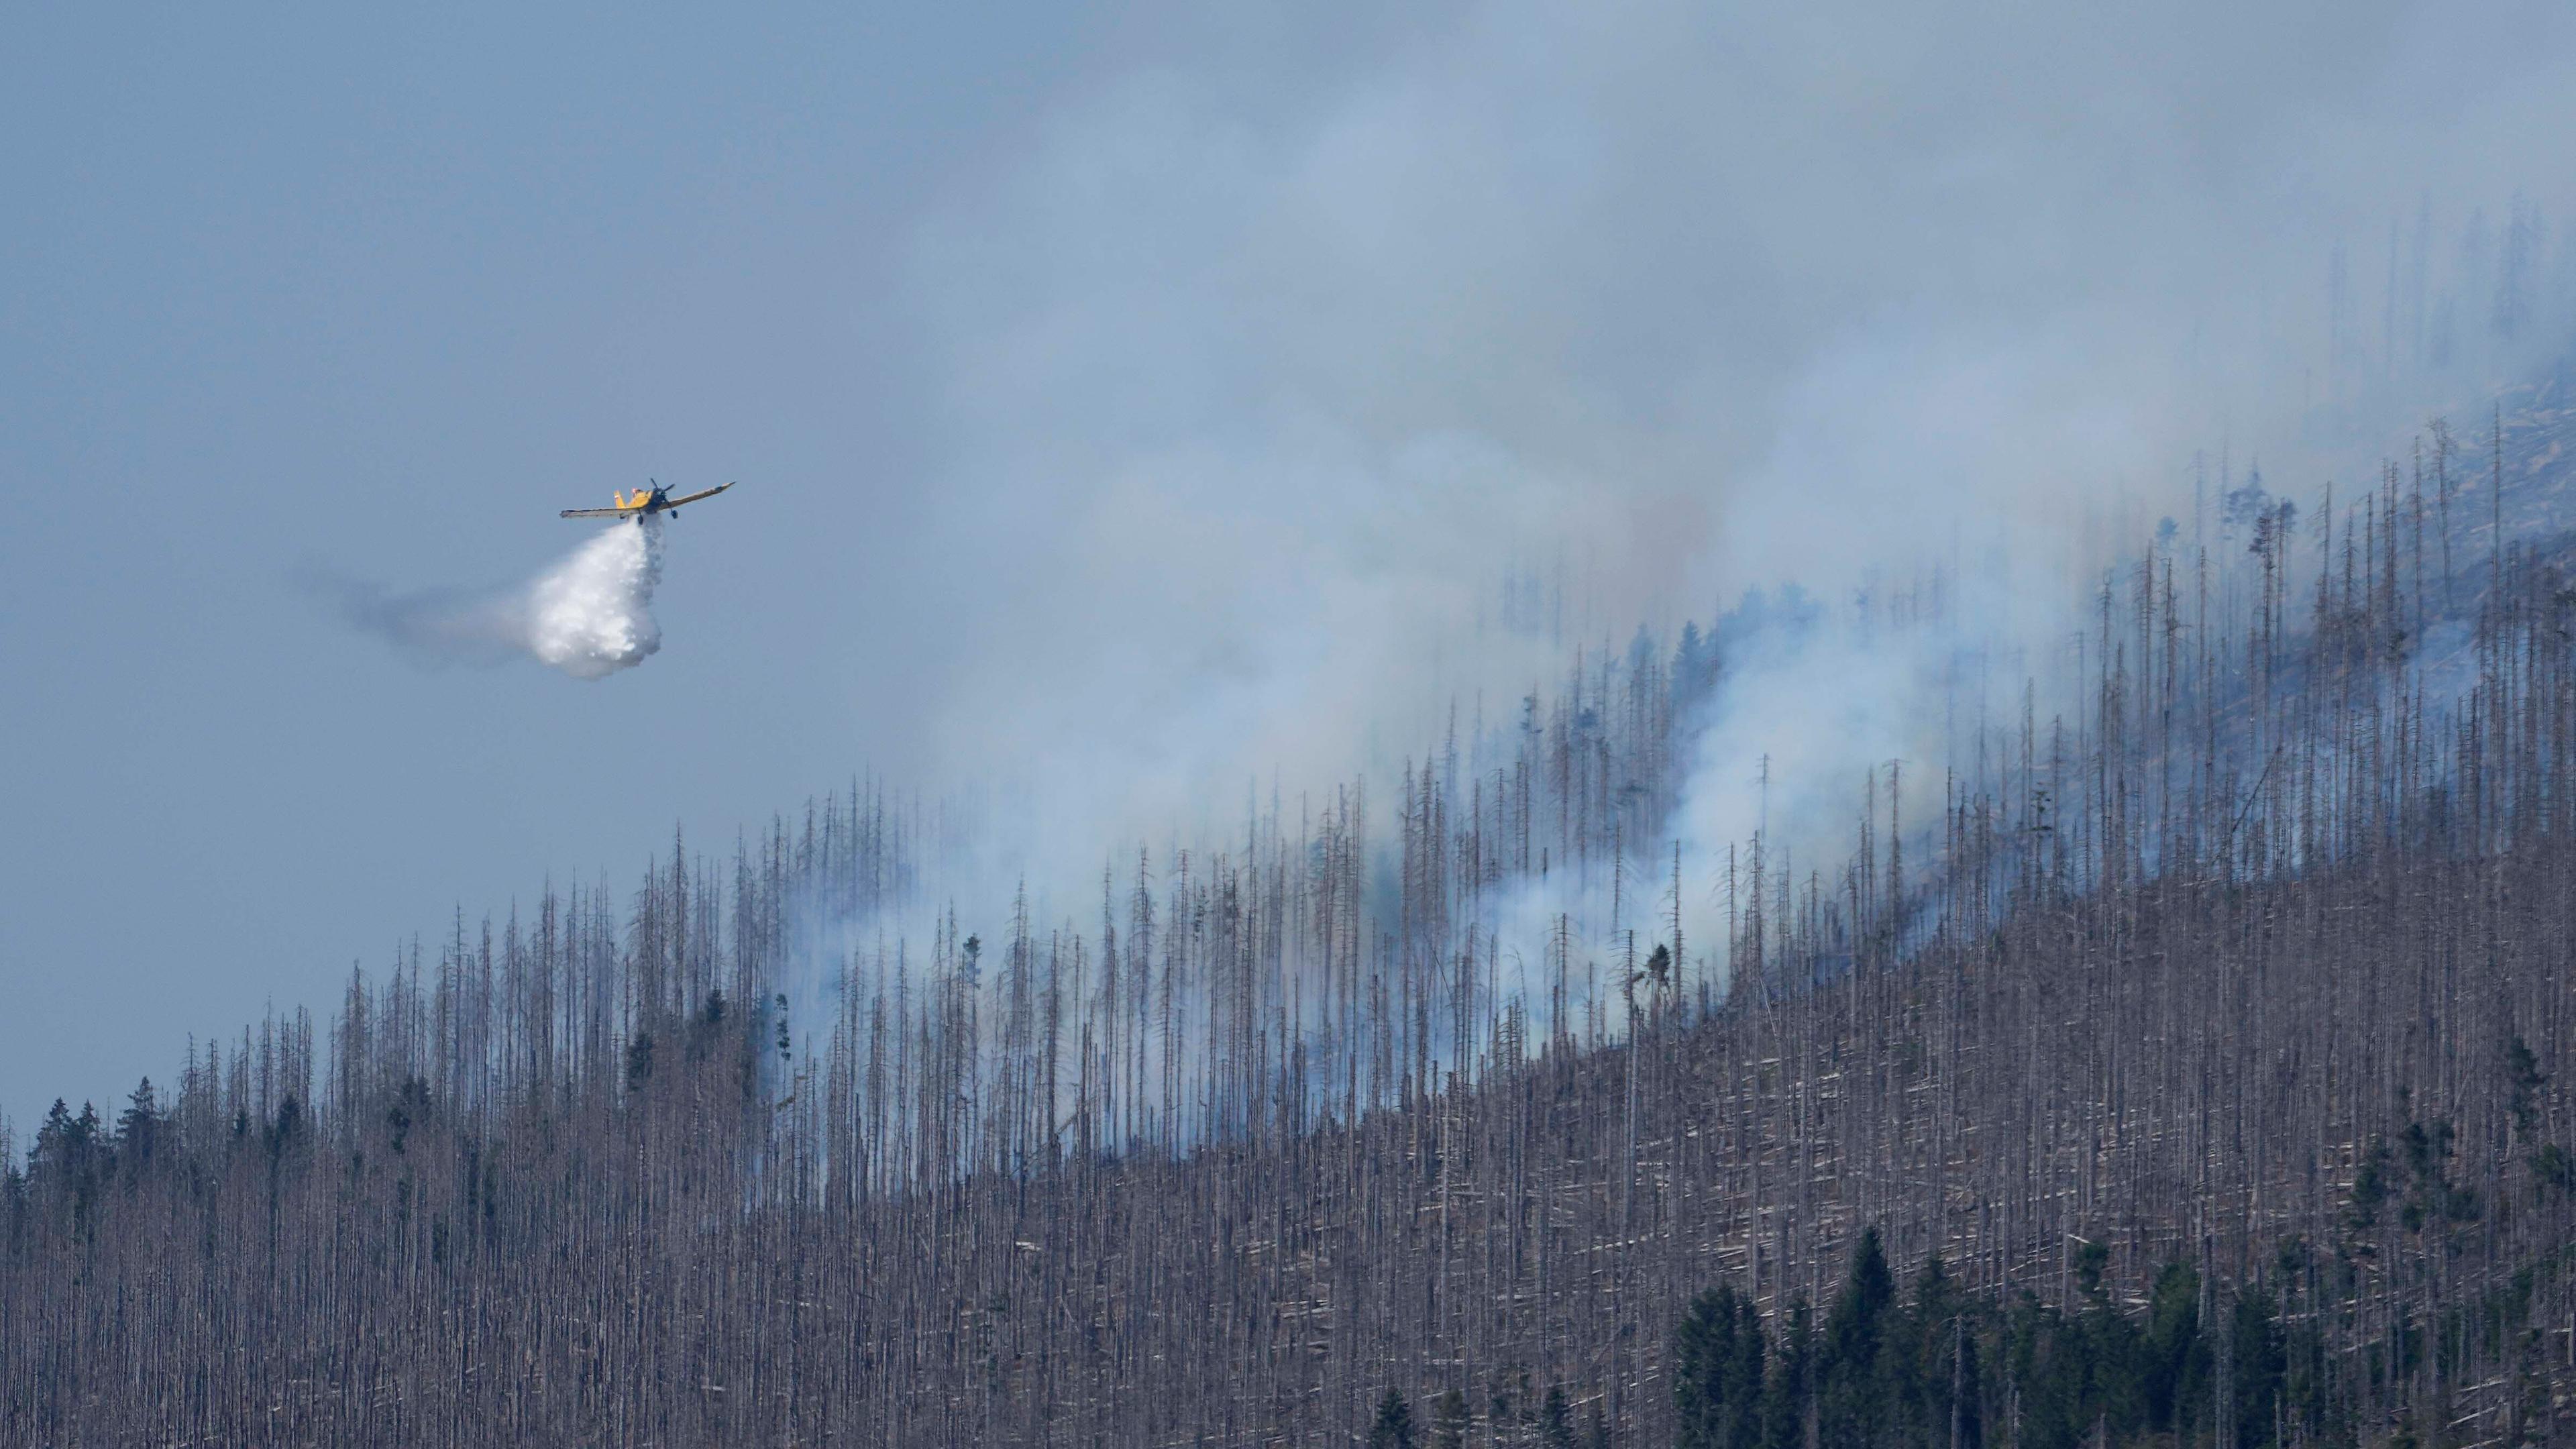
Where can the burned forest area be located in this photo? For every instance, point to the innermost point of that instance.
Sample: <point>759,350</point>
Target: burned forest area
<point>2192,1069</point>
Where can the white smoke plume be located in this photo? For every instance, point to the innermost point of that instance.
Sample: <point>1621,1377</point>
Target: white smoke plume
<point>590,615</point>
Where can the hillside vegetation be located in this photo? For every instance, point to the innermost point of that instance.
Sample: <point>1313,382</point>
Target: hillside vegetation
<point>2195,1069</point>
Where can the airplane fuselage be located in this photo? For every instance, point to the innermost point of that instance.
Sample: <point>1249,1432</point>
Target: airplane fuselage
<point>643,503</point>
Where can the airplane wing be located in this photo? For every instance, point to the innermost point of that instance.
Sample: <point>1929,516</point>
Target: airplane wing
<point>694,497</point>
<point>598,512</point>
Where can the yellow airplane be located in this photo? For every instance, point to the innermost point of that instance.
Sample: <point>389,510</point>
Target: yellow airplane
<point>659,500</point>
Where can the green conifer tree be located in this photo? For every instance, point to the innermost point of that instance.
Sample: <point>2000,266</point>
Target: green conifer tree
<point>1851,1400</point>
<point>1717,1372</point>
<point>1785,1392</point>
<point>1556,1420</point>
<point>1393,1428</point>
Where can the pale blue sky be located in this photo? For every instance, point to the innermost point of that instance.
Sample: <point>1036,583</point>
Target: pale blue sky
<point>1132,400</point>
<point>382,291</point>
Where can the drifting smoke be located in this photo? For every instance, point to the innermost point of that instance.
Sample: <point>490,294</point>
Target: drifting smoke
<point>590,615</point>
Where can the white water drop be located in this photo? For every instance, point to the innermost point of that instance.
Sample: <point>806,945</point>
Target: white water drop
<point>592,614</point>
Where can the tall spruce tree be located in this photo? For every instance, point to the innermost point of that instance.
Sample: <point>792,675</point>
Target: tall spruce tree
<point>1851,1387</point>
<point>1787,1394</point>
<point>1718,1353</point>
<point>1393,1427</point>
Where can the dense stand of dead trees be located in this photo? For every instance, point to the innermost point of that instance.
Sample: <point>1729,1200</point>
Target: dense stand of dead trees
<point>2256,961</point>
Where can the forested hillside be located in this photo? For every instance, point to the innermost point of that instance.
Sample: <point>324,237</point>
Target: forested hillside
<point>2193,1065</point>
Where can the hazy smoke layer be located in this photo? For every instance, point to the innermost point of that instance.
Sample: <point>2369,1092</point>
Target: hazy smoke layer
<point>1293,382</point>
<point>590,615</point>
<point>1312,394</point>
